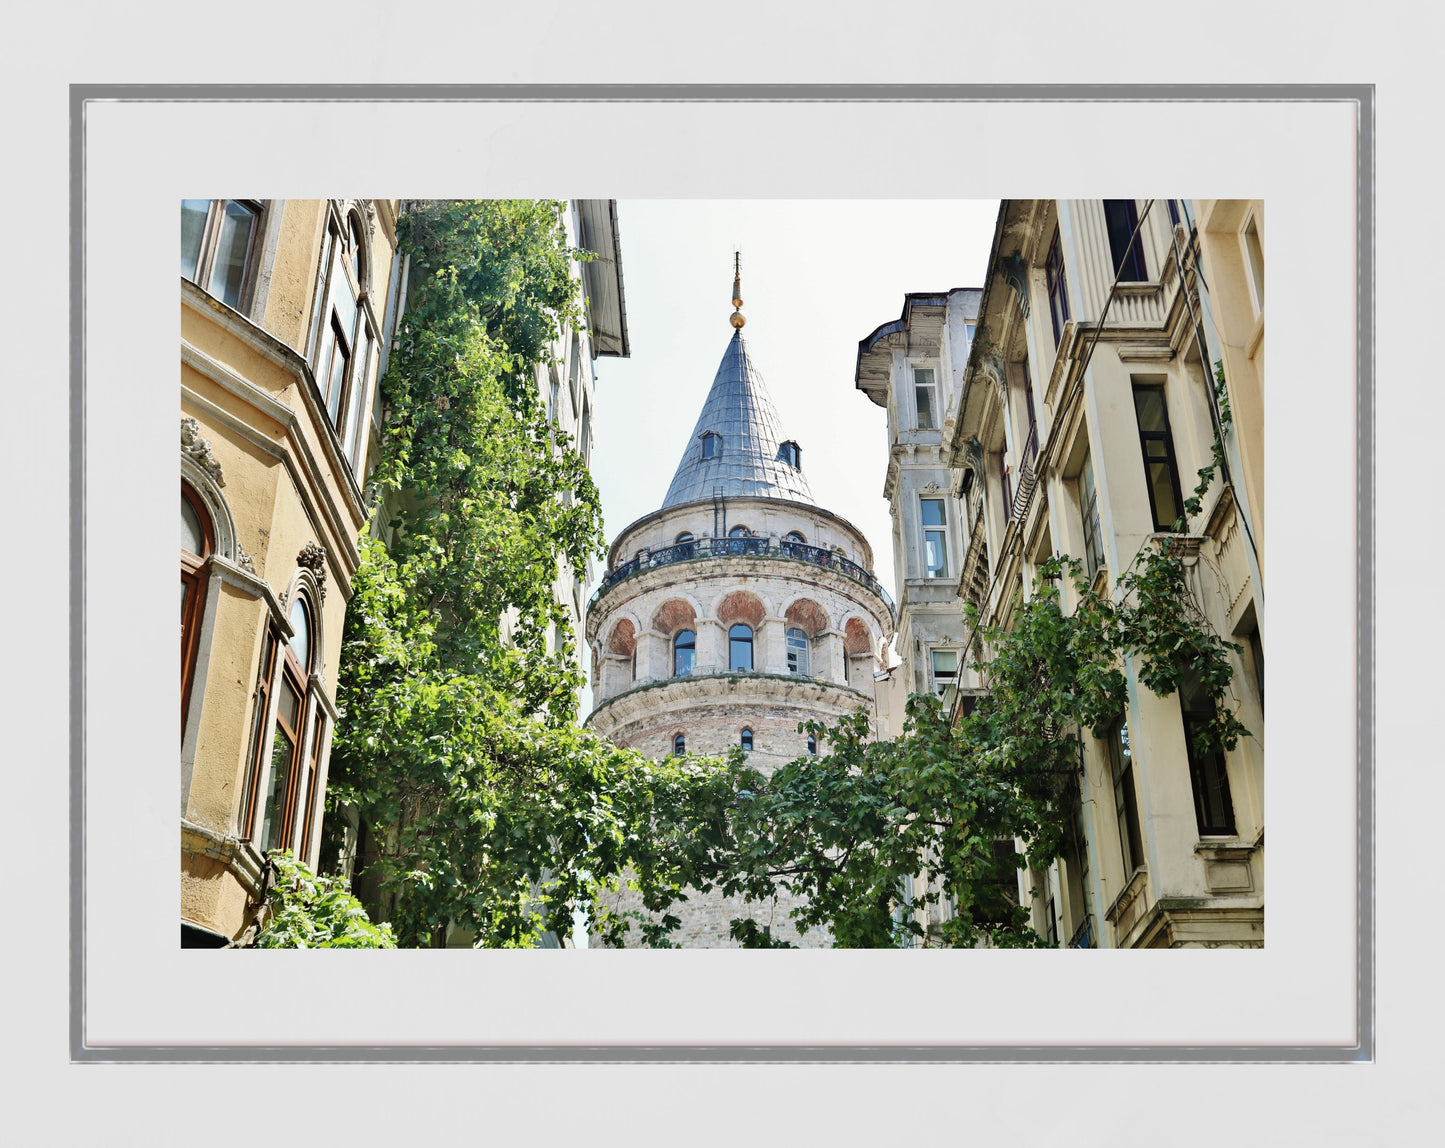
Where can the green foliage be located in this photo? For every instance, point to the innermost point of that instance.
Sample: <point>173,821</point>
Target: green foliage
<point>304,911</point>
<point>457,740</point>
<point>848,830</point>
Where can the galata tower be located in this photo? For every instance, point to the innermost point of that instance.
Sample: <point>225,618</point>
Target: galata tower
<point>732,613</point>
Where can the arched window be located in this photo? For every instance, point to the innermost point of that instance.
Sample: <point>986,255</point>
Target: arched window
<point>746,741</point>
<point>679,745</point>
<point>282,786</point>
<point>740,532</point>
<point>795,536</point>
<point>344,341</point>
<point>197,542</point>
<point>685,536</point>
<point>798,653</point>
<point>711,445</point>
<point>683,545</point>
<point>684,653</point>
<point>740,648</point>
<point>812,746</point>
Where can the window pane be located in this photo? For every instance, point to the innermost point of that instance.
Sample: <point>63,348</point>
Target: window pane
<point>1256,260</point>
<point>945,662</point>
<point>1165,510</point>
<point>193,534</point>
<point>740,648</point>
<point>281,754</point>
<point>336,376</point>
<point>344,302</point>
<point>684,653</point>
<point>232,245</point>
<point>193,228</point>
<point>936,547</point>
<point>1149,406</point>
<point>301,638</point>
<point>288,705</point>
<point>798,652</point>
<point>923,376</point>
<point>924,397</point>
<point>933,512</point>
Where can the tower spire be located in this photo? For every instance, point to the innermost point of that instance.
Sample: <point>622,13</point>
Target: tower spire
<point>738,318</point>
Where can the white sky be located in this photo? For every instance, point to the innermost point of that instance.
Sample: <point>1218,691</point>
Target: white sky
<point>818,276</point>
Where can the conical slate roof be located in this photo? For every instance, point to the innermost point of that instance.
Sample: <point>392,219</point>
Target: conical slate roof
<point>745,462</point>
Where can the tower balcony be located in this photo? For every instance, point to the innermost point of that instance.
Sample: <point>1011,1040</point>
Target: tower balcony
<point>711,549</point>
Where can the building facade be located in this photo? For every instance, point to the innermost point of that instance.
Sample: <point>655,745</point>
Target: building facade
<point>1085,411</point>
<point>735,611</point>
<point>286,311</point>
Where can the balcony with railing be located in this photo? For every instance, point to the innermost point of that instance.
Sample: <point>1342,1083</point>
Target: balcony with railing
<point>706,548</point>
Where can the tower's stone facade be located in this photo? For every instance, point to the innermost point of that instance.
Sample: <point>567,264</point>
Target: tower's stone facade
<point>734,612</point>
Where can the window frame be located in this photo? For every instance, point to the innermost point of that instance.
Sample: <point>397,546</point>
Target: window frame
<point>292,824</point>
<point>745,739</point>
<point>195,579</point>
<point>949,679</point>
<point>939,529</point>
<point>344,265</point>
<point>1123,257</point>
<point>1207,771</point>
<point>799,656</point>
<point>1126,798</point>
<point>1252,255</point>
<point>678,647</point>
<point>1169,459</point>
<point>208,247</point>
<point>1093,530</point>
<point>1057,277</point>
<point>791,454</point>
<point>735,642</point>
<point>930,389</point>
<point>679,744</point>
<point>711,445</point>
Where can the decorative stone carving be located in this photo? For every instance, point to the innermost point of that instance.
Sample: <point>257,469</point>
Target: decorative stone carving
<point>931,488</point>
<point>243,560</point>
<point>200,449</point>
<point>313,557</point>
<point>993,370</point>
<point>1016,275</point>
<point>368,212</point>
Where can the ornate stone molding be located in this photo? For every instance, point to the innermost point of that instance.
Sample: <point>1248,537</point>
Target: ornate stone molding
<point>1015,274</point>
<point>200,449</point>
<point>313,557</point>
<point>368,212</point>
<point>243,560</point>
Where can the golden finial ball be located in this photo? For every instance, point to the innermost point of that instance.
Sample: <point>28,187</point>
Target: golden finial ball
<point>738,319</point>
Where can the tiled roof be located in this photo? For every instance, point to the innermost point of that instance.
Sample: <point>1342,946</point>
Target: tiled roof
<point>746,464</point>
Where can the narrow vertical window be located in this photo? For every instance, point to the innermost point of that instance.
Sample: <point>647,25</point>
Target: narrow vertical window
<point>1254,261</point>
<point>711,444</point>
<point>1058,288</point>
<point>798,652</point>
<point>343,361</point>
<point>925,398</point>
<point>684,653</point>
<point>740,648</point>
<point>1121,217</point>
<point>196,545</point>
<point>935,537</point>
<point>812,746</point>
<point>1213,805</point>
<point>945,670</point>
<point>679,745</point>
<point>746,741</point>
<point>1126,806</point>
<point>1089,508</point>
<point>1160,470</point>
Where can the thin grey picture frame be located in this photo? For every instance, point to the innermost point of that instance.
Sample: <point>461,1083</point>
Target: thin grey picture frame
<point>1362,96</point>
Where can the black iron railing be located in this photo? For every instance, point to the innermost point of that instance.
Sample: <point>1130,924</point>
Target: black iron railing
<point>740,547</point>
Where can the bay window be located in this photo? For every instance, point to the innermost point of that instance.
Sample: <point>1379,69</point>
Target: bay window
<point>935,537</point>
<point>344,338</point>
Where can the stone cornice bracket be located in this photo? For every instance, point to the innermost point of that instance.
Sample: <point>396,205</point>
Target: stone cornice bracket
<point>1015,274</point>
<point>368,211</point>
<point>200,449</point>
<point>313,557</point>
<point>993,370</point>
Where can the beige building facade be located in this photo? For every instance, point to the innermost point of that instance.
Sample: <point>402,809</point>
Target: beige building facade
<point>285,316</point>
<point>1086,409</point>
<point>736,611</point>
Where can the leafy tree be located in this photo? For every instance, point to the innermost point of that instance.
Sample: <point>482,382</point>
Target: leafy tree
<point>304,911</point>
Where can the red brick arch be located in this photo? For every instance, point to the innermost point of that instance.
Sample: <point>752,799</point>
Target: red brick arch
<point>624,638</point>
<point>856,638</point>
<point>808,616</point>
<point>674,615</point>
<point>740,606</point>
